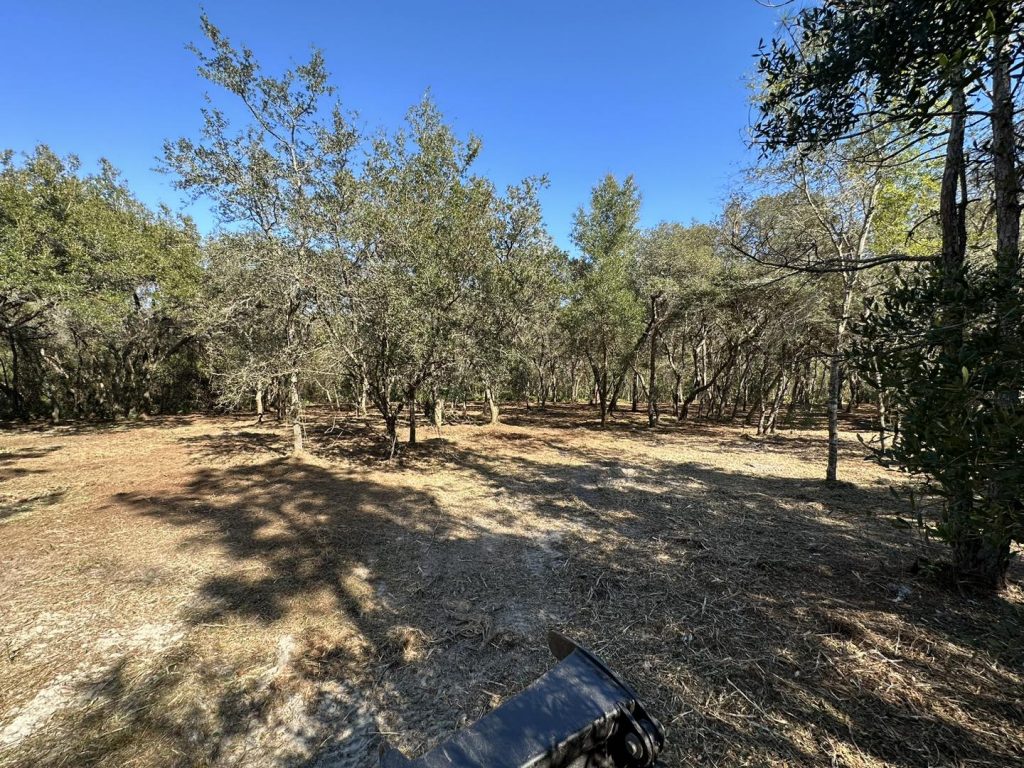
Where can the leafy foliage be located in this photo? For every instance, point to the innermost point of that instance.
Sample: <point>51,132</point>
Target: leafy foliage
<point>948,371</point>
<point>95,294</point>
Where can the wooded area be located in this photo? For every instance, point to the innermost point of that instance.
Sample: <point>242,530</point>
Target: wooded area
<point>870,259</point>
<point>867,271</point>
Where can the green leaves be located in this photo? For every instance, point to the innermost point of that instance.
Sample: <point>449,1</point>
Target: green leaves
<point>946,368</point>
<point>95,290</point>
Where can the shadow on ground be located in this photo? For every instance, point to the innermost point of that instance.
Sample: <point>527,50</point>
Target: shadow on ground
<point>767,620</point>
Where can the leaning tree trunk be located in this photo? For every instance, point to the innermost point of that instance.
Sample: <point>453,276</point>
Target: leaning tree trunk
<point>391,425</point>
<point>780,394</point>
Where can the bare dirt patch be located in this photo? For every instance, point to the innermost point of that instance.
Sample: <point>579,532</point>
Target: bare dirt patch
<point>179,592</point>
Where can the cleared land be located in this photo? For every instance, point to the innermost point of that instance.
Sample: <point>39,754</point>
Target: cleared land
<point>178,592</point>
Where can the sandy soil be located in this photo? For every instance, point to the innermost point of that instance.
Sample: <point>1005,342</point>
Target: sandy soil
<point>178,592</point>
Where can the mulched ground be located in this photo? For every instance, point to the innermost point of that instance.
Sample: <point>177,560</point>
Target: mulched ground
<point>178,592</point>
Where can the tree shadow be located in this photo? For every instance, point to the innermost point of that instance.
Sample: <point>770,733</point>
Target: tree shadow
<point>786,609</point>
<point>766,620</point>
<point>100,426</point>
<point>235,443</point>
<point>385,596</point>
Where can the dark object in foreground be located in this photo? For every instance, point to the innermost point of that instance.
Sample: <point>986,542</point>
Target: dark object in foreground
<point>578,715</point>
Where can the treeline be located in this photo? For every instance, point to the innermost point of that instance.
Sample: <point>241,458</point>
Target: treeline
<point>872,257</point>
<point>97,296</point>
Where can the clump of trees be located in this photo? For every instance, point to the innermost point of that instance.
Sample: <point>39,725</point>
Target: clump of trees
<point>96,295</point>
<point>873,258</point>
<point>943,344</point>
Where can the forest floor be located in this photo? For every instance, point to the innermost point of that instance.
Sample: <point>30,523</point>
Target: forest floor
<point>179,592</point>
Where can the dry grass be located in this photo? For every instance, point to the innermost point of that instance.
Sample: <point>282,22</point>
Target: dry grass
<point>178,592</point>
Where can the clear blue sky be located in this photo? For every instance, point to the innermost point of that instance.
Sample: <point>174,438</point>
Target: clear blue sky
<point>569,88</point>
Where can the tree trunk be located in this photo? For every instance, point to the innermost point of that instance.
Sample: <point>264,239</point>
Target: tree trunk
<point>853,382</point>
<point>1004,159</point>
<point>835,384</point>
<point>601,393</point>
<point>976,558</point>
<point>979,559</point>
<point>364,386</point>
<point>295,413</point>
<point>259,404</point>
<point>17,402</point>
<point>652,370</point>
<point>412,415</point>
<point>835,380</point>
<point>780,394</point>
<point>492,407</point>
<point>1004,492</point>
<point>391,424</point>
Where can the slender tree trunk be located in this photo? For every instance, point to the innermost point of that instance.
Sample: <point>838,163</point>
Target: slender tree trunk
<point>17,402</point>
<point>295,413</point>
<point>993,558</point>
<point>1004,161</point>
<point>259,404</point>
<point>780,393</point>
<point>854,385</point>
<point>794,396</point>
<point>364,387</point>
<point>603,388</point>
<point>601,392</point>
<point>652,374</point>
<point>391,424</point>
<point>280,403</point>
<point>492,407</point>
<point>883,415</point>
<point>835,380</point>
<point>294,401</point>
<point>976,558</point>
<point>835,384</point>
<point>412,415</point>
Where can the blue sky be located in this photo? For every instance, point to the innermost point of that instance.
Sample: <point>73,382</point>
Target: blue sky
<point>568,88</point>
